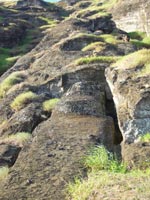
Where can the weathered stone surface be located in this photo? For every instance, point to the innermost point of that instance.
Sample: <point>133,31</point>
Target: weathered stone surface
<point>54,156</point>
<point>132,15</point>
<point>8,154</point>
<point>131,93</point>
<point>84,116</point>
<point>136,155</point>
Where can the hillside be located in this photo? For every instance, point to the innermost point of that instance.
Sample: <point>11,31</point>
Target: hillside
<point>72,79</point>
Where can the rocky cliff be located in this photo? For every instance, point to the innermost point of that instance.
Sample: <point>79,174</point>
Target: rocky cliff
<point>132,15</point>
<point>76,88</point>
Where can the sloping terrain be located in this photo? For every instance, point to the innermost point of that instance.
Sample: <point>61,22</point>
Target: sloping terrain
<point>44,144</point>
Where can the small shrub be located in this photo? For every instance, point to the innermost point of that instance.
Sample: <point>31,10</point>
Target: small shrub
<point>11,80</point>
<point>50,104</point>
<point>23,99</point>
<point>3,172</point>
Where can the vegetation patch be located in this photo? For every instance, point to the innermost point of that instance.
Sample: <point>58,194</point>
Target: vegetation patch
<point>139,58</point>
<point>139,39</point>
<point>108,38</point>
<point>3,172</point>
<point>145,138</point>
<point>96,59</point>
<point>98,158</point>
<point>22,99</point>
<point>11,80</point>
<point>108,177</point>
<point>137,35</point>
<point>98,46</point>
<point>1,19</point>
<point>17,139</point>
<point>48,21</point>
<point>50,104</point>
<point>6,60</point>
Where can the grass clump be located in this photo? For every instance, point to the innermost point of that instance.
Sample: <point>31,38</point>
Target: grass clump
<point>22,99</point>
<point>108,38</point>
<point>100,159</point>
<point>141,44</point>
<point>96,59</point>
<point>145,138</point>
<point>50,104</point>
<point>18,139</point>
<point>48,21</point>
<point>108,177</point>
<point>139,58</point>
<point>98,46</point>
<point>3,172</point>
<point>11,80</point>
<point>139,39</point>
<point>104,185</point>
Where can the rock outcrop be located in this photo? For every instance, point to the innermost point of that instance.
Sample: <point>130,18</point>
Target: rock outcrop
<point>132,15</point>
<point>71,63</point>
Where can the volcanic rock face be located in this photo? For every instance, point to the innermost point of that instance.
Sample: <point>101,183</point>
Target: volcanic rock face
<point>63,65</point>
<point>31,3</point>
<point>131,96</point>
<point>132,15</point>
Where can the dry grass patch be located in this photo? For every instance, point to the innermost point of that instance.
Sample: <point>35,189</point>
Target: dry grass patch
<point>108,185</point>
<point>22,99</point>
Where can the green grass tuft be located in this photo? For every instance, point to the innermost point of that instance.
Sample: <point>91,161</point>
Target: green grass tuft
<point>139,58</point>
<point>110,39</point>
<point>107,177</point>
<point>11,80</point>
<point>50,104</point>
<point>98,46</point>
<point>96,59</point>
<point>137,35</point>
<point>99,158</point>
<point>22,99</point>
<point>145,138</point>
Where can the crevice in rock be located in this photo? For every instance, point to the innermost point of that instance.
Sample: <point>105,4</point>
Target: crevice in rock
<point>111,111</point>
